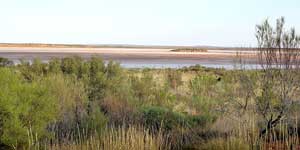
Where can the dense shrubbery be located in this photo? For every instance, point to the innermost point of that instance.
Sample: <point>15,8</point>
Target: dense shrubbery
<point>75,103</point>
<point>71,99</point>
<point>26,108</point>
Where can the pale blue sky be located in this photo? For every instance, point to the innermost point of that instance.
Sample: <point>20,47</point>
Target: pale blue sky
<point>155,22</point>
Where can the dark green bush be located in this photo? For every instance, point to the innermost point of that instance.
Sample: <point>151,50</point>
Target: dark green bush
<point>4,62</point>
<point>158,118</point>
<point>71,65</point>
<point>143,87</point>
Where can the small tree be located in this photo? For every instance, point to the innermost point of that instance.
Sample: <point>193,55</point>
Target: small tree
<point>5,62</point>
<point>278,57</point>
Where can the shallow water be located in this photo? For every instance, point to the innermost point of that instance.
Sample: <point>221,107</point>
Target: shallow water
<point>138,59</point>
<point>175,64</point>
<point>182,65</point>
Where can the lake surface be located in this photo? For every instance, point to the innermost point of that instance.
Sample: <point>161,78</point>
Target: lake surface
<point>132,58</point>
<point>157,63</point>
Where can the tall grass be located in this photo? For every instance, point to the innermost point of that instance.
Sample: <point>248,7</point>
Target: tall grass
<point>114,138</point>
<point>242,137</point>
<point>246,136</point>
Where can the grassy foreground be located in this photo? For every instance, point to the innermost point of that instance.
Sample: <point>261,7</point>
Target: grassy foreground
<point>72,103</point>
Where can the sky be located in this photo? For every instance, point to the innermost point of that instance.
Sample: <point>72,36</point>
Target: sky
<point>141,22</point>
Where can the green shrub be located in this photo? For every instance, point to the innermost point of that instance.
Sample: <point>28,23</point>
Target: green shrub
<point>39,68</point>
<point>143,87</point>
<point>206,94</point>
<point>71,65</point>
<point>54,65</point>
<point>162,118</point>
<point>97,87</point>
<point>174,78</point>
<point>4,62</point>
<point>96,65</point>
<point>26,109</point>
<point>95,121</point>
<point>71,101</point>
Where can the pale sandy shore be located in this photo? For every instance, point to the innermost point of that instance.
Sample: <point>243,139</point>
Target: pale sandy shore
<point>146,51</point>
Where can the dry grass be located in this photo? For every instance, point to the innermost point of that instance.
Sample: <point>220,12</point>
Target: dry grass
<point>243,134</point>
<point>132,138</point>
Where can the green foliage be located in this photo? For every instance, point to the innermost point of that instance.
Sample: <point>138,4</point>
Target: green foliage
<point>194,68</point>
<point>95,121</point>
<point>158,118</point>
<point>96,65</point>
<point>54,65</point>
<point>71,65</point>
<point>174,78</point>
<point>113,69</point>
<point>25,108</point>
<point>72,99</point>
<point>203,85</point>
<point>4,62</point>
<point>148,91</point>
<point>144,87</point>
<point>96,87</point>
<point>206,92</point>
<point>72,103</point>
<point>117,84</point>
<point>103,79</point>
<point>38,67</point>
<point>81,104</point>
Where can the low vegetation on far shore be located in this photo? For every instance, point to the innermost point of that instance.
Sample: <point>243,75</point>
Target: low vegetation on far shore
<point>189,50</point>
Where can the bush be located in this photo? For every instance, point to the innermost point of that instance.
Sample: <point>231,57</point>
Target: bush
<point>143,87</point>
<point>71,65</point>
<point>206,92</point>
<point>174,78</point>
<point>158,118</point>
<point>119,112</point>
<point>4,62</point>
<point>71,101</point>
<point>26,109</point>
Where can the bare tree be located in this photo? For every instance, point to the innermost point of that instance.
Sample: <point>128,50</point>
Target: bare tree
<point>278,56</point>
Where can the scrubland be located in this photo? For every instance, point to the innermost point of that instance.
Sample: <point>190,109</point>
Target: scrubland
<point>76,103</point>
<point>72,103</point>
